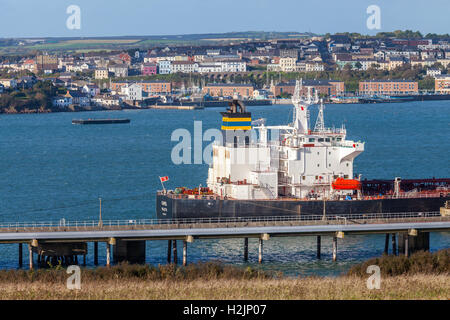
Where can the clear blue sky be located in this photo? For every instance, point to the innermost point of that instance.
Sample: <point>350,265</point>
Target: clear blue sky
<point>39,18</point>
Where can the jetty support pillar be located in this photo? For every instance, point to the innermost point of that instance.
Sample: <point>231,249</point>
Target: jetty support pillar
<point>96,253</point>
<point>394,244</point>
<point>386,244</point>
<point>184,252</point>
<point>169,251</point>
<point>131,251</point>
<point>245,249</point>
<point>108,255</point>
<point>20,255</point>
<point>319,240</point>
<point>334,248</point>
<point>413,241</point>
<point>260,251</point>
<point>174,251</point>
<point>30,256</point>
<point>264,236</point>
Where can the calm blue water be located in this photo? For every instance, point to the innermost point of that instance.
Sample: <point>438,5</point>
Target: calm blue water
<point>51,169</point>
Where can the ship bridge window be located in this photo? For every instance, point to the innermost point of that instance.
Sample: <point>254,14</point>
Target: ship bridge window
<point>320,140</point>
<point>311,139</point>
<point>327,139</point>
<point>338,139</point>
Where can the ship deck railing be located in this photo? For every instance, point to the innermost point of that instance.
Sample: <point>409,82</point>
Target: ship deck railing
<point>304,219</point>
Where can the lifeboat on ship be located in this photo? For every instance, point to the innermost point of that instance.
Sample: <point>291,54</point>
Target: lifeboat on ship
<point>346,184</point>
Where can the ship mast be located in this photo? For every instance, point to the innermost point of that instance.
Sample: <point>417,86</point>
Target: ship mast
<point>301,105</point>
<point>320,124</point>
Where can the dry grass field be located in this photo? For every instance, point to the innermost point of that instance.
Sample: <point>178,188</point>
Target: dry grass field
<point>399,287</point>
<point>422,276</point>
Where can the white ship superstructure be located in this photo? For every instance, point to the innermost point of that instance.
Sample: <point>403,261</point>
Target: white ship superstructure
<point>255,161</point>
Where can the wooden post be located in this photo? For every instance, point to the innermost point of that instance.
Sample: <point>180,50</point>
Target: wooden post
<point>175,255</point>
<point>246,249</point>
<point>184,253</point>
<point>386,244</point>
<point>20,255</point>
<point>169,252</point>
<point>319,239</point>
<point>108,255</point>
<point>406,245</point>
<point>96,253</point>
<point>260,251</point>
<point>394,245</point>
<point>334,248</point>
<point>30,256</point>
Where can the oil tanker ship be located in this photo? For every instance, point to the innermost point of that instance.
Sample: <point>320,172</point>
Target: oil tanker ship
<point>291,170</point>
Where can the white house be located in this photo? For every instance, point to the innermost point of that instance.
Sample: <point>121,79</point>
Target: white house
<point>184,66</point>
<point>165,66</point>
<point>233,66</point>
<point>432,72</point>
<point>62,102</point>
<point>91,89</point>
<point>132,92</point>
<point>107,100</point>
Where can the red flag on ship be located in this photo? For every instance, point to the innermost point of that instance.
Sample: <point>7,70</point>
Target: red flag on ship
<point>163,179</point>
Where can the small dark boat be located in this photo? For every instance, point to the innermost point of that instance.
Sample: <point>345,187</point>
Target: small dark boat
<point>99,121</point>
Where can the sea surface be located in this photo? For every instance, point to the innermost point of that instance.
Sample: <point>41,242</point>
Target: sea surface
<point>51,169</point>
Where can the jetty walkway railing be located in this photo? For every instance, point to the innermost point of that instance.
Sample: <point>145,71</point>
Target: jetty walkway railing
<point>126,224</point>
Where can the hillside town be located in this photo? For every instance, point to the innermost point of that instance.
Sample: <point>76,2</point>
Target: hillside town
<point>340,68</point>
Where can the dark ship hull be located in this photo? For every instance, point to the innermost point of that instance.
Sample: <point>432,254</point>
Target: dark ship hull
<point>183,207</point>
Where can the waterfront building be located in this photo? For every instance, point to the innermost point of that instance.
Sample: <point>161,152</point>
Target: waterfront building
<point>156,87</point>
<point>388,87</point>
<point>78,98</point>
<point>228,90</point>
<point>442,84</point>
<point>62,102</point>
<point>107,100</point>
<point>132,92</point>
<point>323,87</point>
